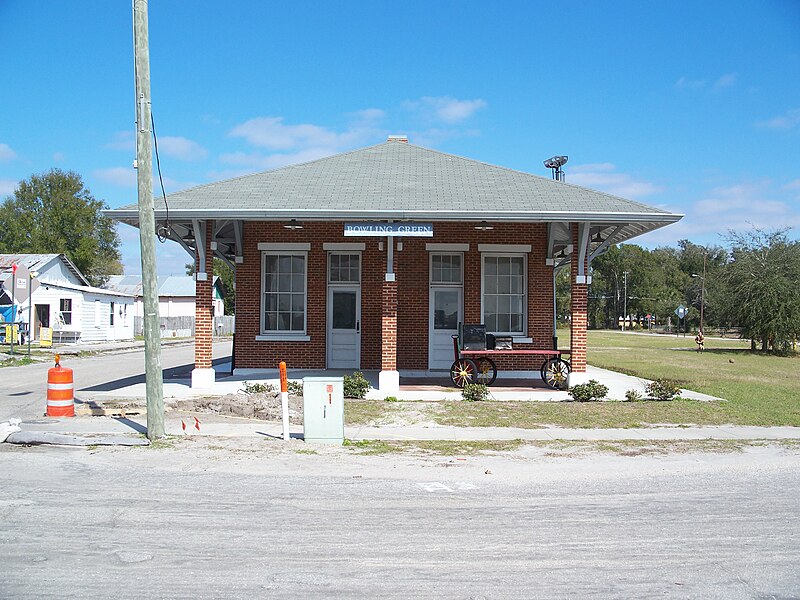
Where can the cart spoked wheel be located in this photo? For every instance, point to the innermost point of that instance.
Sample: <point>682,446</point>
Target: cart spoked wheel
<point>555,373</point>
<point>487,371</point>
<point>463,371</point>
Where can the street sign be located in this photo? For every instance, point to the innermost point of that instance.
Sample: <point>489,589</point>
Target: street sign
<point>681,311</point>
<point>20,277</point>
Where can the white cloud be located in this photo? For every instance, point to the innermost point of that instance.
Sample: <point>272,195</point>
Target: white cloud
<point>120,176</point>
<point>170,257</point>
<point>257,161</point>
<point>739,206</point>
<point>271,133</point>
<point>59,156</point>
<point>7,187</point>
<point>725,81</point>
<point>593,168</point>
<point>691,84</point>
<point>123,140</point>
<point>299,143</point>
<point>368,115</point>
<point>6,153</point>
<point>602,176</point>
<point>792,185</point>
<point>789,120</point>
<point>181,148</point>
<point>444,108</point>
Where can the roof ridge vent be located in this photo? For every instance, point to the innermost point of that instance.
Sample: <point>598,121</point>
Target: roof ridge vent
<point>397,138</point>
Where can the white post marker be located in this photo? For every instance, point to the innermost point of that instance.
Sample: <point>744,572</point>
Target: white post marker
<point>284,400</point>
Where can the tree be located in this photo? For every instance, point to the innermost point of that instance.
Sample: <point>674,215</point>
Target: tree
<point>763,296</point>
<point>55,213</point>
<point>227,277</point>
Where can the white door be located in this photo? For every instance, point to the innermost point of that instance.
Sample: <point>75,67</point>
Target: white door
<point>445,315</point>
<point>344,327</point>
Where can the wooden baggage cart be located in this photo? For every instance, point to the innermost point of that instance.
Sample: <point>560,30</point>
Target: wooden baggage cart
<point>477,366</point>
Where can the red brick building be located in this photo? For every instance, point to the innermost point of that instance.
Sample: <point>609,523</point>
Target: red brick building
<point>370,259</point>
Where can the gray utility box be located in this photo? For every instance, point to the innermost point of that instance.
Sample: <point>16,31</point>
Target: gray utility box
<point>323,410</point>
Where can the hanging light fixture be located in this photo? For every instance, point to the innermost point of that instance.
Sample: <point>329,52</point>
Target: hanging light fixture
<point>484,226</point>
<point>293,225</point>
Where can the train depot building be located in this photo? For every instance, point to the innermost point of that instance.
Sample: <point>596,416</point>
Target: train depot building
<point>370,259</point>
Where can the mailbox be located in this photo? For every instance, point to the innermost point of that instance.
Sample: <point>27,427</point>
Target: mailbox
<point>323,410</point>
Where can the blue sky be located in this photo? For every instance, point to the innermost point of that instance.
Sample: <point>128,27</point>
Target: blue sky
<point>689,106</point>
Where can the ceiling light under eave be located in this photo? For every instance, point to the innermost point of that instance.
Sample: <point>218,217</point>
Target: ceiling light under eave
<point>484,226</point>
<point>293,225</point>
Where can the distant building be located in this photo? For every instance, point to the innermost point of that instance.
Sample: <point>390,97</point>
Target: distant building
<point>66,302</point>
<point>176,301</point>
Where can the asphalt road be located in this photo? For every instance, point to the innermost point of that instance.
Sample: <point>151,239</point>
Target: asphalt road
<point>23,390</point>
<point>244,523</point>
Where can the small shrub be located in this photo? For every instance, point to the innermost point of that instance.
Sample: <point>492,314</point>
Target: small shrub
<point>257,388</point>
<point>391,399</point>
<point>662,389</point>
<point>587,392</point>
<point>295,388</point>
<point>475,392</point>
<point>633,396</point>
<point>356,385</point>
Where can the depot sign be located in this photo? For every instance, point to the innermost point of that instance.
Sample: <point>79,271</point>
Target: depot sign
<point>388,229</point>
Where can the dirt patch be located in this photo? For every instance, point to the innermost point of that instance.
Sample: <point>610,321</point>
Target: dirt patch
<point>264,405</point>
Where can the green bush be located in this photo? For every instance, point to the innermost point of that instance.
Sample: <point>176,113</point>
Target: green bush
<point>633,396</point>
<point>257,388</point>
<point>475,392</point>
<point>356,385</point>
<point>391,399</point>
<point>663,389</point>
<point>295,388</point>
<point>587,392</point>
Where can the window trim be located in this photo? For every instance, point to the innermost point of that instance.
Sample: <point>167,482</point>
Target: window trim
<point>61,312</point>
<point>432,283</point>
<point>345,252</point>
<point>281,335</point>
<point>515,334</point>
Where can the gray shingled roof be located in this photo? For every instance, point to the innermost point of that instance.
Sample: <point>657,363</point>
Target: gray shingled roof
<point>397,180</point>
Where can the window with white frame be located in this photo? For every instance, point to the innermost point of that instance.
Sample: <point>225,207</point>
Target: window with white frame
<point>284,293</point>
<point>65,310</point>
<point>446,269</point>
<point>111,314</point>
<point>504,286</point>
<point>344,268</point>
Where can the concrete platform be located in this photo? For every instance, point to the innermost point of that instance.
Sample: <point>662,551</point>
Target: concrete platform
<point>433,387</point>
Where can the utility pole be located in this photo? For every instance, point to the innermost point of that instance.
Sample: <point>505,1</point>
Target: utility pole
<point>703,293</point>
<point>147,226</point>
<point>625,299</point>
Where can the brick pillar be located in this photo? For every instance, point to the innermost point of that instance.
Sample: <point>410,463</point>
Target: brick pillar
<point>578,310</point>
<point>203,312</point>
<point>389,377</point>
<point>389,326</point>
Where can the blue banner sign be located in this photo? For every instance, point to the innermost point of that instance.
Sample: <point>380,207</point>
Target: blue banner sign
<point>389,229</point>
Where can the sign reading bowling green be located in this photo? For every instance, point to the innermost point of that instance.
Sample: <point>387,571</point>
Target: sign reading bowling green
<point>388,229</point>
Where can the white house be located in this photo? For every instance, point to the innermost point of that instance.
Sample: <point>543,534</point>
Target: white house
<point>65,302</point>
<point>176,301</point>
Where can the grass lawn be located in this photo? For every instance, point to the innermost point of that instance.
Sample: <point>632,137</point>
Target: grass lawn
<point>758,389</point>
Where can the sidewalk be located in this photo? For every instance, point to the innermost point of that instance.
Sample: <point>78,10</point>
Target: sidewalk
<point>215,425</point>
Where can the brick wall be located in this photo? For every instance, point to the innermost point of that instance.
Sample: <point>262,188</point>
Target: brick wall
<point>204,307</point>
<point>411,266</point>
<point>578,310</point>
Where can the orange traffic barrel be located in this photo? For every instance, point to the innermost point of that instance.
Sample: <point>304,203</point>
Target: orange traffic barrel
<point>60,391</point>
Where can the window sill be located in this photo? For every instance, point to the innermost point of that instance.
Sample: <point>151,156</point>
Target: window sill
<point>285,337</point>
<point>523,340</point>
